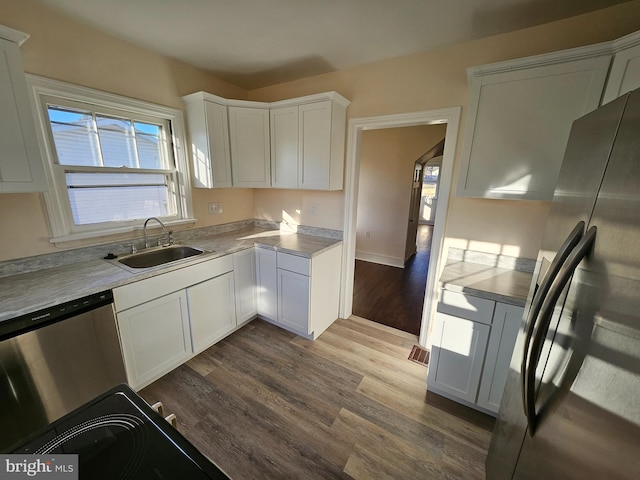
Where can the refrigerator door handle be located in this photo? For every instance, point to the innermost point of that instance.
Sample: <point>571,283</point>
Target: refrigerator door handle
<point>546,313</point>
<point>532,319</point>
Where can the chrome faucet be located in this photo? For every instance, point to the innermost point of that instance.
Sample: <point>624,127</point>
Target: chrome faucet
<point>144,229</point>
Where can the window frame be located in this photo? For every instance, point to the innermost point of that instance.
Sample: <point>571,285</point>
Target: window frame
<point>63,228</point>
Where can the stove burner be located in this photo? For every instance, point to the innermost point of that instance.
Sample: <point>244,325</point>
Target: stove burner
<point>119,436</point>
<point>133,440</point>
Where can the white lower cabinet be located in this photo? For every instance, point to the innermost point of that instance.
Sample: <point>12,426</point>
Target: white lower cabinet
<point>155,338</point>
<point>293,301</point>
<point>456,356</point>
<point>504,331</point>
<point>298,293</point>
<point>166,319</point>
<point>266,283</point>
<point>212,310</point>
<point>244,272</point>
<point>473,340</point>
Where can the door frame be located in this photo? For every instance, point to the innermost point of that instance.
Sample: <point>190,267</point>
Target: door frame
<point>450,116</point>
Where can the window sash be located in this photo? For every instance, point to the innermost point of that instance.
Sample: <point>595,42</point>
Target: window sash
<point>143,116</point>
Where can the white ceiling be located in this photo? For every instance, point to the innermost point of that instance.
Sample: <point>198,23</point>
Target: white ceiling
<point>255,43</point>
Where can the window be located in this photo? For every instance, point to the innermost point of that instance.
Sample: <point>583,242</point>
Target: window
<point>112,161</point>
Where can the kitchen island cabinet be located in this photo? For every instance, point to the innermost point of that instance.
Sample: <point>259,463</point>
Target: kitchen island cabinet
<point>21,167</point>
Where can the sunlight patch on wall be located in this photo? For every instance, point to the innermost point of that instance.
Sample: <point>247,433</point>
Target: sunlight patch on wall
<point>485,247</point>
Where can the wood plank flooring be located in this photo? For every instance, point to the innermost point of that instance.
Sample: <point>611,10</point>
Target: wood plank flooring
<point>394,296</point>
<point>265,403</point>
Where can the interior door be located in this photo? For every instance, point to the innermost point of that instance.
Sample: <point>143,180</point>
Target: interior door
<point>414,212</point>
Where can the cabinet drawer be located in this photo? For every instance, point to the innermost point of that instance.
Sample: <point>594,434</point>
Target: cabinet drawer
<point>294,263</point>
<point>466,306</point>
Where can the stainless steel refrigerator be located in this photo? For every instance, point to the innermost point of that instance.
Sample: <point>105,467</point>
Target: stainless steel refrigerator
<point>571,407</point>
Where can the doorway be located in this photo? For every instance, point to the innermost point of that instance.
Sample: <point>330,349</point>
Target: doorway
<point>449,116</point>
<point>392,249</point>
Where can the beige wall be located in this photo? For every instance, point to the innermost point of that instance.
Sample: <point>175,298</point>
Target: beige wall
<point>437,79</point>
<point>63,49</point>
<point>387,159</point>
<point>300,207</point>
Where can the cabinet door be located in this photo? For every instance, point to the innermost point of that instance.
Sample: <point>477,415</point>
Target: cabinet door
<point>625,70</point>
<point>210,152</point>
<point>457,354</point>
<point>244,272</point>
<point>250,152</point>
<point>155,338</point>
<point>504,330</point>
<point>284,147</point>
<point>293,301</point>
<point>266,283</point>
<point>315,146</point>
<point>212,310</point>
<point>518,124</point>
<point>21,167</point>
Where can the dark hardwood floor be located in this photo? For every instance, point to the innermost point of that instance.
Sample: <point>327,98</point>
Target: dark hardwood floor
<point>394,296</point>
<point>267,404</point>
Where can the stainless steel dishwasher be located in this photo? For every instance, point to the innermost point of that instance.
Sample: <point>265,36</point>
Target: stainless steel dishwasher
<point>54,360</point>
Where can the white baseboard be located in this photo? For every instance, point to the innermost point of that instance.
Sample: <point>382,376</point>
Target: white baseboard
<point>381,259</point>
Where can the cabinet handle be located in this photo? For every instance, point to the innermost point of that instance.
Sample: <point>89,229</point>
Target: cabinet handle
<point>546,312</point>
<point>532,318</point>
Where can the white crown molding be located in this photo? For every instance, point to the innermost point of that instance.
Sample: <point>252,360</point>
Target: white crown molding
<point>12,35</point>
<point>579,53</point>
<point>627,41</point>
<point>200,96</point>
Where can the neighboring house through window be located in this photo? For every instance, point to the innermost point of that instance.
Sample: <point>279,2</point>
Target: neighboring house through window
<point>112,162</point>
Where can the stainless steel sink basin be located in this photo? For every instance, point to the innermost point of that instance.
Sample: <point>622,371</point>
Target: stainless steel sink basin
<point>160,256</point>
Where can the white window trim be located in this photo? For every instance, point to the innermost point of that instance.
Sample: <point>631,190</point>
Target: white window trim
<point>55,199</point>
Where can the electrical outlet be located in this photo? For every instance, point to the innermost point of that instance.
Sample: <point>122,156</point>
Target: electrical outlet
<point>367,234</point>
<point>215,207</point>
<point>314,209</point>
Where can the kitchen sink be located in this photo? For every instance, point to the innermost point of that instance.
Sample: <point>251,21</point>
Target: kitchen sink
<point>159,256</point>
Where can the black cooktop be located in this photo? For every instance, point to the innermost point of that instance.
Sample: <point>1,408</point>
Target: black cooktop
<point>119,436</point>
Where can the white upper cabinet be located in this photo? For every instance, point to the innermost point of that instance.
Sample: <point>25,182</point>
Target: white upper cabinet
<point>208,126</point>
<point>625,70</point>
<point>284,147</point>
<point>250,151</point>
<point>519,117</point>
<point>295,144</point>
<point>307,142</point>
<point>21,167</point>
